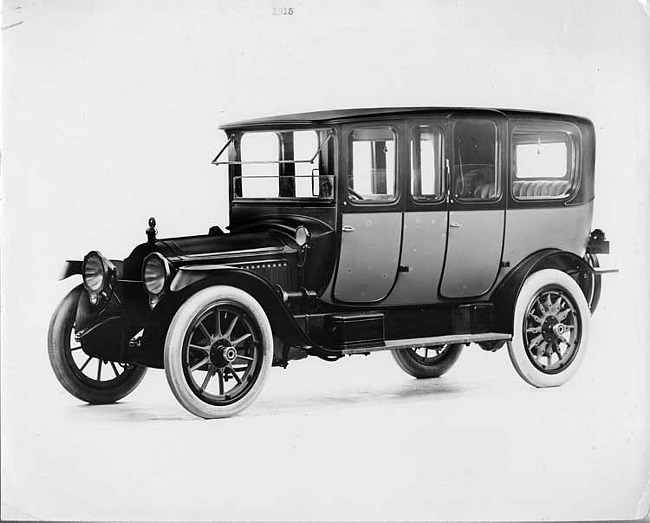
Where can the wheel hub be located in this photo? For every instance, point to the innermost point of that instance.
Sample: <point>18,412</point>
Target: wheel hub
<point>222,353</point>
<point>559,329</point>
<point>553,329</point>
<point>550,328</point>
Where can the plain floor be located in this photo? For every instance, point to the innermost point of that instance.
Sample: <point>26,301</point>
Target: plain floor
<point>353,440</point>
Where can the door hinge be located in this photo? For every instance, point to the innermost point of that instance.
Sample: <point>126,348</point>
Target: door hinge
<point>504,264</point>
<point>403,268</point>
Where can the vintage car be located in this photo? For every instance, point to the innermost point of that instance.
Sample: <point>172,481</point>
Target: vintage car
<point>414,230</point>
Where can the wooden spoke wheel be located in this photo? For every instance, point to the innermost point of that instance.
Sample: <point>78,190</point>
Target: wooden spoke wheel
<point>427,362</point>
<point>88,378</point>
<point>218,352</point>
<point>551,324</point>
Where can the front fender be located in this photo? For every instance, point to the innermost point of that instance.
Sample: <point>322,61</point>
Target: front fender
<point>282,321</point>
<point>103,333</point>
<point>505,295</point>
<point>72,267</point>
<point>191,279</point>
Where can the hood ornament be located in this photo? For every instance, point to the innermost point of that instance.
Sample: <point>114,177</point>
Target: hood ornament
<point>152,231</point>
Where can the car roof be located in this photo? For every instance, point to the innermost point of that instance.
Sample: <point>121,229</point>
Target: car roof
<point>324,118</point>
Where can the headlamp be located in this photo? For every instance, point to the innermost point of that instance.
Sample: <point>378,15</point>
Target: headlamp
<point>98,276</point>
<point>155,276</point>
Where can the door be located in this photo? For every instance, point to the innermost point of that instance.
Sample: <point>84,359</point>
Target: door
<point>476,208</point>
<point>371,223</point>
<point>424,236</point>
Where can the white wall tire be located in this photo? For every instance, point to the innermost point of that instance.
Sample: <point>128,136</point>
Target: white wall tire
<point>550,330</point>
<point>223,333</point>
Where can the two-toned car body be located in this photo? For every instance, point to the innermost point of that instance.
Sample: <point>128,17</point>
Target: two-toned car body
<point>415,230</point>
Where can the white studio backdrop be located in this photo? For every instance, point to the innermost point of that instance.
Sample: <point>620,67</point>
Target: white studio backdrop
<point>110,115</point>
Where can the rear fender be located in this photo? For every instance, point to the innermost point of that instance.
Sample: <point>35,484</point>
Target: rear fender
<point>505,295</point>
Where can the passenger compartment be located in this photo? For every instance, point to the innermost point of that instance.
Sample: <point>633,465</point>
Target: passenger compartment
<point>533,189</point>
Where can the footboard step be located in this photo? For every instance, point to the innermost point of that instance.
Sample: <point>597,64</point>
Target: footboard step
<point>428,342</point>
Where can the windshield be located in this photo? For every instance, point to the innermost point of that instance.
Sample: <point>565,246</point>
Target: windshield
<point>289,164</point>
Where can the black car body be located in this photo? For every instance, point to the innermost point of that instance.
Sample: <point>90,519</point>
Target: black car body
<point>416,230</point>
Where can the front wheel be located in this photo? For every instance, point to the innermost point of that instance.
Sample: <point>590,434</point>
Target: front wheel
<point>87,378</point>
<point>427,362</point>
<point>551,325</point>
<point>218,352</point>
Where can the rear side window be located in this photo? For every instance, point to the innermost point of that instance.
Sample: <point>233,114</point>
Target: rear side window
<point>372,176</point>
<point>427,178</point>
<point>475,174</point>
<point>543,162</point>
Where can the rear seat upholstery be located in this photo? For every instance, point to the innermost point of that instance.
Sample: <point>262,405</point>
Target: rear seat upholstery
<point>529,189</point>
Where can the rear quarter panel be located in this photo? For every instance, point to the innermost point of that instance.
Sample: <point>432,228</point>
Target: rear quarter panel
<point>531,230</point>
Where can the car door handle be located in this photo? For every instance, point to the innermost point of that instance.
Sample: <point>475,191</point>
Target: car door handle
<point>455,225</point>
<point>348,228</point>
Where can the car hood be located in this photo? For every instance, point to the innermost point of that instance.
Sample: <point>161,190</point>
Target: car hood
<point>223,248</point>
<point>267,239</point>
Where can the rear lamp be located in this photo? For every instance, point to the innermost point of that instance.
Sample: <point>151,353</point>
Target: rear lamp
<point>155,274</point>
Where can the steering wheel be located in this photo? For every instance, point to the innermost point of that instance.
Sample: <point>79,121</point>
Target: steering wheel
<point>355,195</point>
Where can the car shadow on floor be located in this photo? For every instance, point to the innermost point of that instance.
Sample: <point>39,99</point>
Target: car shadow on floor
<point>285,403</point>
<point>408,391</point>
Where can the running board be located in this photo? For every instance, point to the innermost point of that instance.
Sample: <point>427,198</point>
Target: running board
<point>428,342</point>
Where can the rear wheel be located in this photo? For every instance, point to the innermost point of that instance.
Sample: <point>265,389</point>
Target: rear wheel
<point>218,352</point>
<point>551,325</point>
<point>87,378</point>
<point>427,362</point>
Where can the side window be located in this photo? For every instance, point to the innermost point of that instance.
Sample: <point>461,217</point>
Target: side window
<point>305,143</point>
<point>543,163</point>
<point>259,180</point>
<point>373,160</point>
<point>427,179</point>
<point>475,171</point>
